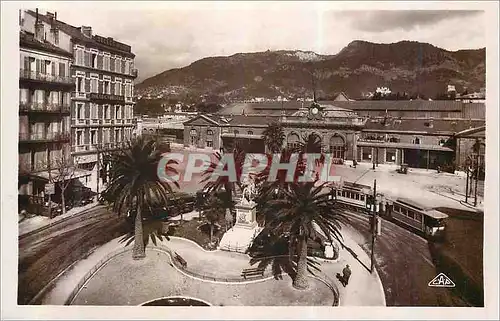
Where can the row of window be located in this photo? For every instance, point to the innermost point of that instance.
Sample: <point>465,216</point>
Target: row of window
<point>45,66</point>
<point>194,132</point>
<point>44,97</point>
<point>208,143</point>
<point>408,213</point>
<point>352,195</point>
<point>104,86</point>
<point>119,111</point>
<point>45,127</point>
<point>103,61</point>
<point>120,135</point>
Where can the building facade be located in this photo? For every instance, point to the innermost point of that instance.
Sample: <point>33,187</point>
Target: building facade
<point>102,72</point>
<point>45,89</point>
<point>420,141</point>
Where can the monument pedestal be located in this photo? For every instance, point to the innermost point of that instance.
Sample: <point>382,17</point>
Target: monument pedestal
<point>241,235</point>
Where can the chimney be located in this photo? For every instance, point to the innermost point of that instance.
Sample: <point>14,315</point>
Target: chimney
<point>50,15</point>
<point>55,15</point>
<point>39,29</point>
<point>86,30</point>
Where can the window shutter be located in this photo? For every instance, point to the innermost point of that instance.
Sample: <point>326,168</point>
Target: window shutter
<point>86,137</point>
<point>112,88</point>
<point>87,111</point>
<point>53,68</point>
<point>87,59</point>
<point>123,66</point>
<point>87,85</point>
<point>38,66</point>
<point>62,69</point>
<point>27,64</point>
<point>112,65</point>
<point>99,62</point>
<point>100,87</point>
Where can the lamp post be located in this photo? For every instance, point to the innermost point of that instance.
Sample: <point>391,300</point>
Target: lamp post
<point>372,205</point>
<point>477,178</point>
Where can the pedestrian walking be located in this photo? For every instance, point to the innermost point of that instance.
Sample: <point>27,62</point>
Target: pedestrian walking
<point>346,274</point>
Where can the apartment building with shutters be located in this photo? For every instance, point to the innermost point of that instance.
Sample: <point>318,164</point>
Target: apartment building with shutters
<point>102,97</point>
<point>45,87</point>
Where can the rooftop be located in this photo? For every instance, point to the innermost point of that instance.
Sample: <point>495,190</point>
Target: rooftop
<point>95,40</point>
<point>431,126</point>
<point>27,40</point>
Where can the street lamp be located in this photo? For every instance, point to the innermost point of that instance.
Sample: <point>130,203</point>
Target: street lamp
<point>372,205</point>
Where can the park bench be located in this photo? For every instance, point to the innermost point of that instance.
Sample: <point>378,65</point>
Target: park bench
<point>252,272</point>
<point>180,260</point>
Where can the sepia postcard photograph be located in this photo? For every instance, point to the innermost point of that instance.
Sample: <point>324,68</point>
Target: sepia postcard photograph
<point>286,160</point>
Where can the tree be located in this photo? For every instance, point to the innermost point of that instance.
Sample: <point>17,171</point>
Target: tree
<point>269,190</point>
<point>274,136</point>
<point>213,212</point>
<point>135,186</point>
<point>61,173</point>
<point>224,182</point>
<point>302,213</point>
<point>64,174</point>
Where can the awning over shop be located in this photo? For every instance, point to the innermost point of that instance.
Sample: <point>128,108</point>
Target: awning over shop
<point>55,175</point>
<point>404,146</point>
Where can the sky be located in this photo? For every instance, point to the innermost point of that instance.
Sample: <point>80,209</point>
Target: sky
<point>166,35</point>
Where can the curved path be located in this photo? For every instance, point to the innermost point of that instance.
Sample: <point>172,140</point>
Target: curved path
<point>119,274</point>
<point>124,281</point>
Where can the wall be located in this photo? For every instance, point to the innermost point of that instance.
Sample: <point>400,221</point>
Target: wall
<point>202,136</point>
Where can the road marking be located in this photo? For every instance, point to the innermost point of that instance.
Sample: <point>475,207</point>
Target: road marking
<point>442,281</point>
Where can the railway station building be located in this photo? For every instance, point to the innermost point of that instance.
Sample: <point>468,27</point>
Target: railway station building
<point>421,134</point>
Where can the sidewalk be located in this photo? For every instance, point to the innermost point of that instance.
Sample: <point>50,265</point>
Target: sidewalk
<point>364,289</point>
<point>31,224</point>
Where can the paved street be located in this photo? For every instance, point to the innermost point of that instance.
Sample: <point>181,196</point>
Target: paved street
<point>405,266</point>
<point>42,256</point>
<point>403,259</point>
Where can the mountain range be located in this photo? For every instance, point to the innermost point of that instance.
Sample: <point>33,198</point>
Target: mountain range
<point>359,68</point>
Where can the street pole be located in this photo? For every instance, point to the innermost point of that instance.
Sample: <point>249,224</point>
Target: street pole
<point>373,225</point>
<point>373,158</point>
<point>50,195</point>
<point>98,171</point>
<point>467,184</point>
<point>477,177</point>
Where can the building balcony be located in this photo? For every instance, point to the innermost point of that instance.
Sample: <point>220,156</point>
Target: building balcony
<point>43,137</point>
<point>80,95</point>
<point>129,100</point>
<point>134,72</point>
<point>106,97</point>
<point>25,74</point>
<point>118,121</point>
<point>44,107</point>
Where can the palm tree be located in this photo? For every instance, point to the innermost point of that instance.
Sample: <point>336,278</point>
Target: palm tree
<point>274,136</point>
<point>134,185</point>
<point>271,190</point>
<point>303,212</point>
<point>224,182</point>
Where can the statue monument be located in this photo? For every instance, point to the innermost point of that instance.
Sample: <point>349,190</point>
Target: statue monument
<point>241,235</point>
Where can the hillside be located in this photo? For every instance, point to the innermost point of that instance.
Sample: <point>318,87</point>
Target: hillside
<point>357,69</point>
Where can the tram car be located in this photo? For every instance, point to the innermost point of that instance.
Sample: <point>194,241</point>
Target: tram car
<point>352,196</point>
<point>429,222</point>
